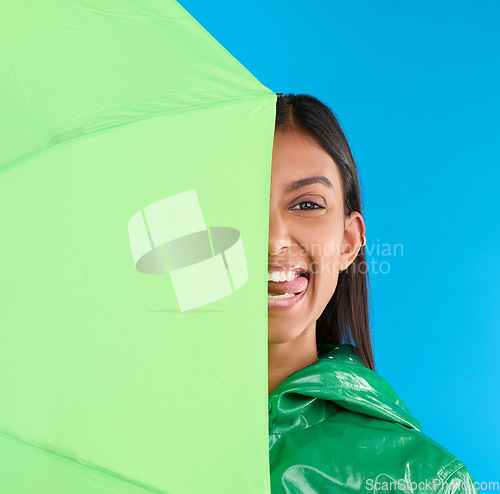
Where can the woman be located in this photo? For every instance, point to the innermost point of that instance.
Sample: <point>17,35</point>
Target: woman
<point>334,424</point>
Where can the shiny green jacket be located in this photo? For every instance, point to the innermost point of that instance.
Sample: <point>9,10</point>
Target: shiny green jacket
<point>337,426</point>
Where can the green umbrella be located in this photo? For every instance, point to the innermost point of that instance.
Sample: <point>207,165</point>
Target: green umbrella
<point>134,190</point>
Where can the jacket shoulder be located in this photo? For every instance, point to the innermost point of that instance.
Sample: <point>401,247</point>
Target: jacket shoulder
<point>449,474</point>
<point>460,481</point>
<point>382,456</point>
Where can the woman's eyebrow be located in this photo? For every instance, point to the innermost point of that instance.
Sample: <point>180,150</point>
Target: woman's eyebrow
<point>308,181</point>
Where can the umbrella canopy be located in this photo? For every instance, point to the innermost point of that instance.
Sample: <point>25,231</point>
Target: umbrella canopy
<point>134,188</point>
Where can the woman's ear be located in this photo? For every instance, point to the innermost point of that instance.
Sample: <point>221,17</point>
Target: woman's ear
<point>354,228</point>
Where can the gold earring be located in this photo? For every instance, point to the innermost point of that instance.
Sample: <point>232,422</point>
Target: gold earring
<point>364,241</point>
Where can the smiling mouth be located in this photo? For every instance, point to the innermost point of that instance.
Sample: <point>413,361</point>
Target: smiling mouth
<point>286,289</point>
<point>285,295</point>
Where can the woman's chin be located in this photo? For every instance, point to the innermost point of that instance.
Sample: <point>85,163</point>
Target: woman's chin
<point>282,332</point>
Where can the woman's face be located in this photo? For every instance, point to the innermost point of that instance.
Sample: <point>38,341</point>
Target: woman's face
<point>307,234</point>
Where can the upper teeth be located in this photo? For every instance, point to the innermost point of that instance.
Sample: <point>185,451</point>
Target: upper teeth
<point>282,276</point>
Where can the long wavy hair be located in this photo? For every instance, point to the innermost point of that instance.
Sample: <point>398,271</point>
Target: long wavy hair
<point>346,316</point>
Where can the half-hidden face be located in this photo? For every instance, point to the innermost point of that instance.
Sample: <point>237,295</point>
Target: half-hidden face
<point>306,234</point>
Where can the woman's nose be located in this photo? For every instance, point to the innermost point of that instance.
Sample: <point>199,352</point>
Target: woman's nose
<point>279,237</point>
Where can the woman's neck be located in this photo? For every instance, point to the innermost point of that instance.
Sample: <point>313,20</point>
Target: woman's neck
<point>288,357</point>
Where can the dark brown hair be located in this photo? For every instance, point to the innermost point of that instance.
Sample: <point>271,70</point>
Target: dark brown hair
<point>346,316</point>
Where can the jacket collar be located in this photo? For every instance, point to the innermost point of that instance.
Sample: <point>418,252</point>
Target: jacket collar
<point>337,379</point>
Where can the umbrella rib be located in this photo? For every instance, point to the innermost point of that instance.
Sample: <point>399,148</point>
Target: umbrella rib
<point>77,133</point>
<point>82,463</point>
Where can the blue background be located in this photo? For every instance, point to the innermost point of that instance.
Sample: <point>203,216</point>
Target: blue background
<point>415,86</point>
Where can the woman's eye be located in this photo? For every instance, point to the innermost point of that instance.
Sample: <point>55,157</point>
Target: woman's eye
<point>309,205</point>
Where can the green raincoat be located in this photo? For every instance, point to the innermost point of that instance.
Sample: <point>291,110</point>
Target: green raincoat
<point>337,426</point>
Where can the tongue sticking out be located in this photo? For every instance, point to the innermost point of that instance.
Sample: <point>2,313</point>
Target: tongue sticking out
<point>297,285</point>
